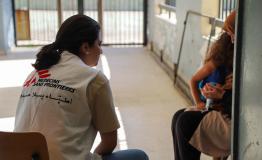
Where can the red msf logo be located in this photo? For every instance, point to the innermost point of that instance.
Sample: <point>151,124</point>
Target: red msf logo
<point>41,74</point>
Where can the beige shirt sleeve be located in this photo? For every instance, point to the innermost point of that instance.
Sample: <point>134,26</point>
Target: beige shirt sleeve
<point>101,104</point>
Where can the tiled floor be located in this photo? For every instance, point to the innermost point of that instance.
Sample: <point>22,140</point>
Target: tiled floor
<point>144,96</point>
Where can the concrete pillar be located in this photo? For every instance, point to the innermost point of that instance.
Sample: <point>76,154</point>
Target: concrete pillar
<point>100,6</point>
<point>7,38</point>
<point>247,101</point>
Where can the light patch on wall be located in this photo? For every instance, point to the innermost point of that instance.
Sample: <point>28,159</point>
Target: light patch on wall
<point>166,17</point>
<point>167,13</point>
<point>7,124</point>
<point>121,132</point>
<point>104,66</point>
<point>14,72</point>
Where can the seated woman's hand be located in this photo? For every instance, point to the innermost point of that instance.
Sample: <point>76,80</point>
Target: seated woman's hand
<point>228,83</point>
<point>213,92</point>
<point>200,105</point>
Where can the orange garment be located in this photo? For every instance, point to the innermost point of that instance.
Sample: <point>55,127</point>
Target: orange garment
<point>229,24</point>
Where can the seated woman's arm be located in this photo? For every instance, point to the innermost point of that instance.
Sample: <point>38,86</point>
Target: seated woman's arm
<point>104,117</point>
<point>202,73</point>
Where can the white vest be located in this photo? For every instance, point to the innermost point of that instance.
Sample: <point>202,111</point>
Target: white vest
<point>54,102</point>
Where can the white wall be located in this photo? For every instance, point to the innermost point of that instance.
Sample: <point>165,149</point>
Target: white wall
<point>158,29</point>
<point>165,36</point>
<point>190,56</point>
<point>6,26</point>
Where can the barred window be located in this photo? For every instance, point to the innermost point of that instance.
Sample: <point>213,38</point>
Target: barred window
<point>225,7</point>
<point>171,2</point>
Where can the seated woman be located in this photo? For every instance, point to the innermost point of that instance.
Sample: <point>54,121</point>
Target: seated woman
<point>207,132</point>
<point>68,101</point>
<point>218,63</point>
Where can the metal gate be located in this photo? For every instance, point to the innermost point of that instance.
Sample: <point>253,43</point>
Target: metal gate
<point>123,22</point>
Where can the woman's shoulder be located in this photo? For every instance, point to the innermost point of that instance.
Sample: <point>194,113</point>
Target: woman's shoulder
<point>99,80</point>
<point>101,77</point>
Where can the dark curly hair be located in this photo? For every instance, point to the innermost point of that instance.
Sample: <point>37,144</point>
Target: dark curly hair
<point>222,52</point>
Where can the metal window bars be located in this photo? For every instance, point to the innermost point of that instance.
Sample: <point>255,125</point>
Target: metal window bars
<point>122,22</point>
<point>225,7</point>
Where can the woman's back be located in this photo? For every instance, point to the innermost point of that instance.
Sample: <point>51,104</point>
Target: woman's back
<point>57,106</point>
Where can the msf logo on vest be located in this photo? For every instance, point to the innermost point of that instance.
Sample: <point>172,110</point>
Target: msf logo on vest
<point>40,74</point>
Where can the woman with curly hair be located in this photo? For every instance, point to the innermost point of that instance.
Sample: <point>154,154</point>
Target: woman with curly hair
<point>217,65</point>
<point>194,131</point>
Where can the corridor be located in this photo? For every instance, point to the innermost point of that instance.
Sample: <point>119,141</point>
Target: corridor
<point>144,95</point>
